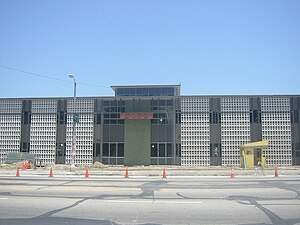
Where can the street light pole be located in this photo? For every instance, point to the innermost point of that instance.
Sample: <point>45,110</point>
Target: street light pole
<point>74,124</point>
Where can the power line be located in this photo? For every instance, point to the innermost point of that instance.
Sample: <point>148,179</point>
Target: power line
<point>34,74</point>
<point>48,77</point>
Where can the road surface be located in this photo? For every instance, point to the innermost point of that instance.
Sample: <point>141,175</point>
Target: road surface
<point>146,201</point>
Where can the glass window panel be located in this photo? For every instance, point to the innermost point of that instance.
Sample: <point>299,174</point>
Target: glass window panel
<point>162,150</point>
<point>113,103</point>
<point>152,92</point>
<point>97,149</point>
<point>139,92</point>
<point>162,102</point>
<point>126,92</point>
<point>162,162</point>
<point>114,115</point>
<point>105,149</point>
<point>169,103</point>
<point>121,91</point>
<point>120,150</point>
<point>157,91</point>
<point>99,118</point>
<point>154,102</point>
<point>121,103</point>
<point>145,91</point>
<point>169,150</point>
<point>153,150</point>
<point>154,121</point>
<point>113,121</point>
<point>169,161</point>
<point>132,91</point>
<point>113,150</point>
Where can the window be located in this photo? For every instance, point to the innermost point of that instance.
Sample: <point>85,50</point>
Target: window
<point>97,149</point>
<point>24,145</point>
<point>140,91</point>
<point>27,117</point>
<point>178,117</point>
<point>98,118</point>
<point>214,117</point>
<point>169,150</point>
<point>153,150</point>
<point>105,150</point>
<point>120,150</point>
<point>162,152</point>
<point>113,150</point>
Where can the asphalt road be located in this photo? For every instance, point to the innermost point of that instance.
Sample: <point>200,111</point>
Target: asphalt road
<point>145,201</point>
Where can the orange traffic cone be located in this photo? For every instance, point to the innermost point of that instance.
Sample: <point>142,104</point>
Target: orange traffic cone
<point>276,171</point>
<point>51,172</point>
<point>87,172</point>
<point>232,173</point>
<point>164,173</point>
<point>126,173</point>
<point>18,172</point>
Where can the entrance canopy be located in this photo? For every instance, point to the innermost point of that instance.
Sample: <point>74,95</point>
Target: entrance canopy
<point>258,144</point>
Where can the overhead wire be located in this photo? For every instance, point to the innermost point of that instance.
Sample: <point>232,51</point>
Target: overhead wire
<point>48,77</point>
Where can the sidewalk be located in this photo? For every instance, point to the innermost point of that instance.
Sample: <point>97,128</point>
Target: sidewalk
<point>149,171</point>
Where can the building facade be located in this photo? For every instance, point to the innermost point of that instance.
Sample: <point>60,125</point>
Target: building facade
<point>151,125</point>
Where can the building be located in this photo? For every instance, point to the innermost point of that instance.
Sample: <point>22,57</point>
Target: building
<point>151,125</point>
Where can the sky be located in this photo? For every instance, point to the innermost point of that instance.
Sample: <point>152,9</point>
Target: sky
<point>213,47</point>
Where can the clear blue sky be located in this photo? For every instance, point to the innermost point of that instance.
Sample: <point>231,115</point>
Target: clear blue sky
<point>210,47</point>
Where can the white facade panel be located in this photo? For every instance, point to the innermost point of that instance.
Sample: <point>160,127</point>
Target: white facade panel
<point>235,128</point>
<point>43,130</point>
<point>84,131</point>
<point>10,127</point>
<point>276,127</point>
<point>195,131</point>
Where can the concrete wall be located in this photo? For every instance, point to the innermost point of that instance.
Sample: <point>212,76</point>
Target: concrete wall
<point>137,142</point>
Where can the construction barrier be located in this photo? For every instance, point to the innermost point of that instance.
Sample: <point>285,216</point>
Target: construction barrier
<point>87,172</point>
<point>18,172</point>
<point>164,173</point>
<point>126,173</point>
<point>232,173</point>
<point>51,172</point>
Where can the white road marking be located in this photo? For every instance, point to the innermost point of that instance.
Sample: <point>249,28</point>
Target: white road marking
<point>156,201</point>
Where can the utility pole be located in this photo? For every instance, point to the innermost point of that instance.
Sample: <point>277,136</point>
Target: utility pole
<point>75,119</point>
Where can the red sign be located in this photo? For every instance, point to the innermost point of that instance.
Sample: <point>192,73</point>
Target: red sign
<point>136,115</point>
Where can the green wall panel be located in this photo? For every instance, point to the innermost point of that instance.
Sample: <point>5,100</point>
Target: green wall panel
<point>137,142</point>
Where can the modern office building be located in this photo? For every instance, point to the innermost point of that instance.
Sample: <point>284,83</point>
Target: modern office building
<point>151,125</point>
